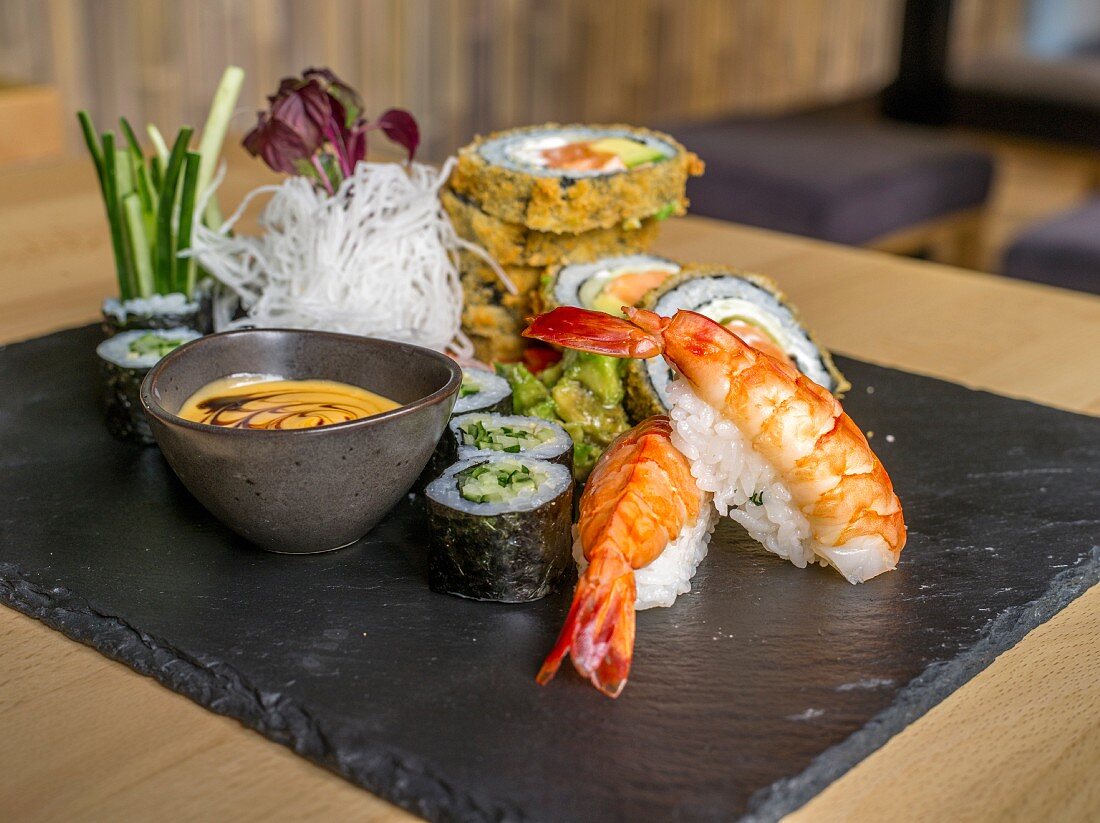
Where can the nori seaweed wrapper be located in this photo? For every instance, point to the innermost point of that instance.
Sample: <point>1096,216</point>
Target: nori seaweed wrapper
<point>708,281</point>
<point>122,408</point>
<point>122,379</point>
<point>510,556</point>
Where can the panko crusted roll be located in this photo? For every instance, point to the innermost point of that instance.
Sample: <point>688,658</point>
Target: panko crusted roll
<point>492,316</point>
<point>511,244</point>
<point>576,178</point>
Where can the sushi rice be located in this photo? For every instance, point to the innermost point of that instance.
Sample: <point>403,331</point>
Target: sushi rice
<point>522,150</point>
<point>482,391</point>
<point>667,577</point>
<point>748,489</point>
<point>453,490</point>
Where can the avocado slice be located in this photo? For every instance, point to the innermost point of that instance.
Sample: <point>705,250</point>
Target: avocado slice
<point>577,405</point>
<point>631,152</point>
<point>600,375</point>
<point>527,391</point>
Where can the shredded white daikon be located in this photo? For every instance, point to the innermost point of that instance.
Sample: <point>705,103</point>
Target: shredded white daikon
<point>376,258</point>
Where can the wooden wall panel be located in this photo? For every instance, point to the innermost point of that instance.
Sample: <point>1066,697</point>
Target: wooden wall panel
<point>462,66</point>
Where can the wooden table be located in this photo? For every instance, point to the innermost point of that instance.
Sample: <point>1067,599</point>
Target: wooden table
<point>84,737</point>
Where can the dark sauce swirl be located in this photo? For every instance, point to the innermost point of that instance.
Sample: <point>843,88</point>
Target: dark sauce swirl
<point>286,407</point>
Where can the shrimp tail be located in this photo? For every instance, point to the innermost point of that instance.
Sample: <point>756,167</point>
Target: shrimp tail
<point>599,631</point>
<point>593,331</point>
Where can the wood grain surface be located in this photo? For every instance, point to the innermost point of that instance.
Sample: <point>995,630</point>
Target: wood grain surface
<point>86,738</point>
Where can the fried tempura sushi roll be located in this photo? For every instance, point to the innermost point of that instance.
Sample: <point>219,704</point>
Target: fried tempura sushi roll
<point>493,317</point>
<point>571,179</point>
<point>511,244</point>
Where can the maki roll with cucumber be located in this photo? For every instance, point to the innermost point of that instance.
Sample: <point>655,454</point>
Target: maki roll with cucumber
<point>572,179</point>
<point>751,306</point>
<point>606,284</point>
<point>125,359</point>
<point>500,528</point>
<point>482,434</point>
<point>512,244</point>
<point>483,391</point>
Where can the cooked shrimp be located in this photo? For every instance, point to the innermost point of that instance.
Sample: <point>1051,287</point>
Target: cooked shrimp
<point>639,498</point>
<point>820,457</point>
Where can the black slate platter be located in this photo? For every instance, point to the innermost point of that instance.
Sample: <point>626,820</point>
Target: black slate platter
<point>746,698</point>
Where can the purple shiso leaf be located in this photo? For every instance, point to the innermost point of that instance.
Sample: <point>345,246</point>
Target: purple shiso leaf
<point>357,144</point>
<point>280,146</point>
<point>400,127</point>
<point>348,105</point>
<point>314,127</point>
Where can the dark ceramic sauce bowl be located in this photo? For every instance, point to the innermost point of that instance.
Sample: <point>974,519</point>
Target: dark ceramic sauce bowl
<point>306,490</point>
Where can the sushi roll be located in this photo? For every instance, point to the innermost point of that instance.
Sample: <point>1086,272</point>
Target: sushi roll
<point>160,311</point>
<point>572,179</point>
<point>125,359</point>
<point>499,528</point>
<point>606,284</point>
<point>511,244</point>
<point>751,306</point>
<point>481,434</point>
<point>493,317</point>
<point>483,391</point>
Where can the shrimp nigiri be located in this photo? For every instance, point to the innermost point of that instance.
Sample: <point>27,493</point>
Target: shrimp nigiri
<point>639,505</point>
<point>775,448</point>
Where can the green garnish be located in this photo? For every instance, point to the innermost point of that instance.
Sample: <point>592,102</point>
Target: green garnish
<point>151,201</point>
<point>151,343</point>
<point>583,393</point>
<point>757,498</point>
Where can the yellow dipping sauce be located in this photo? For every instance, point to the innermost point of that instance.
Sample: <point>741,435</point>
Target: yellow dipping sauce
<point>250,401</point>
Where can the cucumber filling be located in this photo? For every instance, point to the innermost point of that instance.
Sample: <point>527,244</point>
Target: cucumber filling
<point>468,387</point>
<point>508,439</point>
<point>150,343</point>
<point>500,482</point>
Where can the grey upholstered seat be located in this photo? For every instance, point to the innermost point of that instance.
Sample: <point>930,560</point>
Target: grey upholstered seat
<point>830,178</point>
<point>1063,251</point>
